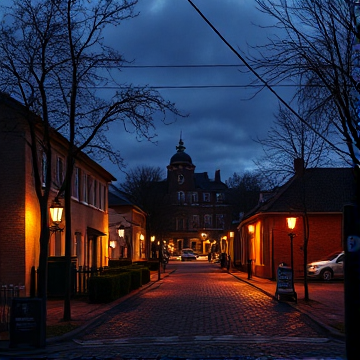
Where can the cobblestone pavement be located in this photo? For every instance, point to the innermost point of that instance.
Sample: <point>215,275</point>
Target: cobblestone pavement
<point>200,312</point>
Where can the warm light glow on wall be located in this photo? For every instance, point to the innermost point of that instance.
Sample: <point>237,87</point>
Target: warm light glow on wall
<point>251,229</point>
<point>142,237</point>
<point>291,222</point>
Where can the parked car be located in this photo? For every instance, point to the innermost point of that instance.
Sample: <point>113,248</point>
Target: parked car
<point>332,266</point>
<point>188,254</point>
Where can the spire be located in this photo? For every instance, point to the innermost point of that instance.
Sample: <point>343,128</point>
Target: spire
<point>180,147</point>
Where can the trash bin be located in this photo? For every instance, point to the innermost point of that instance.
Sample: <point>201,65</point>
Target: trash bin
<point>285,284</point>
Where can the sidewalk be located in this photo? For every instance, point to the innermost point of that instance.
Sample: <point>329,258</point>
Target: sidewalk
<point>326,304</point>
<point>327,310</point>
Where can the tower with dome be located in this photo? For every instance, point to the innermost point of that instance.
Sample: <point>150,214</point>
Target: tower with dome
<point>201,214</point>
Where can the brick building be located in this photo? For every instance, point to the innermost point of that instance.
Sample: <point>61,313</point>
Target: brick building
<point>19,206</point>
<point>263,235</point>
<point>200,212</point>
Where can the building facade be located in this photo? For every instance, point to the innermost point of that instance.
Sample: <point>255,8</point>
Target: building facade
<point>201,214</point>
<point>315,197</point>
<point>127,228</point>
<point>19,205</point>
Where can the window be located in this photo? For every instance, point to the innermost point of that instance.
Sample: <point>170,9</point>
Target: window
<point>219,197</point>
<point>181,197</point>
<point>59,171</point>
<point>90,191</point>
<point>194,198</point>
<point>207,221</point>
<point>76,183</point>
<point>85,195</point>
<point>206,197</point>
<point>219,221</point>
<point>102,189</point>
<point>195,221</point>
<point>96,194</point>
<point>179,224</point>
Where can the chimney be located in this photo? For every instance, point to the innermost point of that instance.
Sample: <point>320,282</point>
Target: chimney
<point>299,166</point>
<point>217,176</point>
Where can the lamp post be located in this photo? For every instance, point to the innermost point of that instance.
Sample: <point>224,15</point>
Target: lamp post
<point>251,230</point>
<point>291,223</point>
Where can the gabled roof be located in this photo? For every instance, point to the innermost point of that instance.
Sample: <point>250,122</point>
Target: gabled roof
<point>318,190</point>
<point>116,197</point>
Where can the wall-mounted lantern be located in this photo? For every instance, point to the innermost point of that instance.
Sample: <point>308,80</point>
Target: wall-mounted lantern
<point>113,244</point>
<point>56,211</point>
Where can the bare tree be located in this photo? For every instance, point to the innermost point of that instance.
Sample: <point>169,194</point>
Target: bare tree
<point>314,49</point>
<point>289,139</point>
<point>147,188</point>
<point>244,190</point>
<point>55,61</point>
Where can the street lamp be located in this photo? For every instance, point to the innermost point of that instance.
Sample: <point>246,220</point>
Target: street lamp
<point>56,211</point>
<point>291,223</point>
<point>251,230</point>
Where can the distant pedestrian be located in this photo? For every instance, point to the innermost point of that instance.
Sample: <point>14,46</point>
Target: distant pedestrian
<point>209,256</point>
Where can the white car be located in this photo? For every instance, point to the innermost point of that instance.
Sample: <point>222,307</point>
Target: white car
<point>332,266</point>
<point>188,254</point>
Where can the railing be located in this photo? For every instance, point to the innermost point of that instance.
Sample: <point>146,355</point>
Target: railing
<point>7,293</point>
<point>80,279</point>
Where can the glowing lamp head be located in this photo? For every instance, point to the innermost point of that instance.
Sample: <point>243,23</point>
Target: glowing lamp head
<point>251,229</point>
<point>56,211</point>
<point>291,222</point>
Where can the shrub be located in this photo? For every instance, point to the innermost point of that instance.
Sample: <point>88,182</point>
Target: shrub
<point>107,288</point>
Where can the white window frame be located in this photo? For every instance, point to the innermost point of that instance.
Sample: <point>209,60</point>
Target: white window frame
<point>206,197</point>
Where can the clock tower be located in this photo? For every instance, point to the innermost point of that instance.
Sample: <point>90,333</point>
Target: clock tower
<point>180,171</point>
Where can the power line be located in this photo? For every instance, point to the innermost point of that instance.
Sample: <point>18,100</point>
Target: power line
<point>187,86</point>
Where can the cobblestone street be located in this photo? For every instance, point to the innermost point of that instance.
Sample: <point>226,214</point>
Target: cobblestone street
<point>200,311</point>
